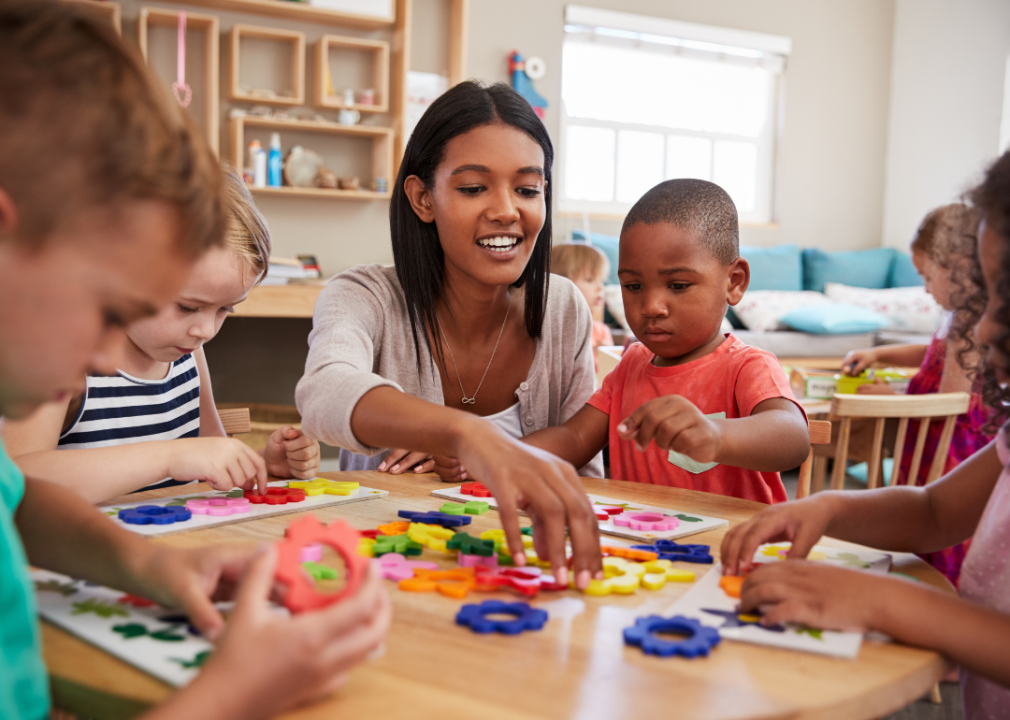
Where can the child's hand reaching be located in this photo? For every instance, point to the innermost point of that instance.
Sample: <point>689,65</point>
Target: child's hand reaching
<point>802,523</point>
<point>674,423</point>
<point>223,463</point>
<point>858,360</point>
<point>289,453</point>
<point>814,594</point>
<point>309,655</point>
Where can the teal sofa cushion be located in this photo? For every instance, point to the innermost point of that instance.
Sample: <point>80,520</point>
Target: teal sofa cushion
<point>856,268</point>
<point>834,319</point>
<point>774,268</point>
<point>903,272</point>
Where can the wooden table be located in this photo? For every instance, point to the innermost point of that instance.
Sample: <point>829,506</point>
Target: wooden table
<point>280,301</point>
<point>577,667</point>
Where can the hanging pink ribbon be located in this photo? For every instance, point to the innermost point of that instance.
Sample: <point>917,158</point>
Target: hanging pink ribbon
<point>183,92</point>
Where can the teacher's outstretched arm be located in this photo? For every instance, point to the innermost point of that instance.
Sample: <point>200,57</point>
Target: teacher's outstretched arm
<point>519,476</point>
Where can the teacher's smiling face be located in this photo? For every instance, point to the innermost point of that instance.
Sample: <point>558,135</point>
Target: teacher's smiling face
<point>487,201</point>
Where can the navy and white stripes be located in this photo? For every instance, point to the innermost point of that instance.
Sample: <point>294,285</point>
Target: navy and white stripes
<point>119,409</point>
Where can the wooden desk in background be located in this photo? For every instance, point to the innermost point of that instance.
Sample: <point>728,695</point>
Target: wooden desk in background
<point>280,301</point>
<point>577,667</point>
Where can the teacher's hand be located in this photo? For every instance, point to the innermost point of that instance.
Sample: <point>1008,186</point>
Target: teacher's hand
<point>545,487</point>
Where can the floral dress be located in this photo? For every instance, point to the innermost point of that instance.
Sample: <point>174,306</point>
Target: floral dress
<point>969,437</point>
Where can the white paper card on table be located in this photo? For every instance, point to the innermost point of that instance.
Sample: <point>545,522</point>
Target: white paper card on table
<point>112,621</point>
<point>198,522</point>
<point>690,523</point>
<point>707,603</point>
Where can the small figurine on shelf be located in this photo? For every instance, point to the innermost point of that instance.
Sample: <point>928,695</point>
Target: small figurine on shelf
<point>366,97</point>
<point>348,116</point>
<point>522,83</point>
<point>258,158</point>
<point>326,179</point>
<point>349,182</point>
<point>380,185</point>
<point>274,161</point>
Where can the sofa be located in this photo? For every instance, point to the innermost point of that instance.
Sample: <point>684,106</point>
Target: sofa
<point>805,302</point>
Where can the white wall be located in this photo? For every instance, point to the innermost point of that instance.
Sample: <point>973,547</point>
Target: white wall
<point>831,158</point>
<point>947,85</point>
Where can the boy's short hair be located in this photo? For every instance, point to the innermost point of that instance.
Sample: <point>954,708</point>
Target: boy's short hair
<point>247,235</point>
<point>696,205</point>
<point>577,260</point>
<point>85,126</point>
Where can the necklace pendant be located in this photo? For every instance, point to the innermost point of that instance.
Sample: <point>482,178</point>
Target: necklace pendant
<point>469,401</point>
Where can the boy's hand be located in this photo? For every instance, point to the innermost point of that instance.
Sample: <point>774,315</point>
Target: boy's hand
<point>289,453</point>
<point>814,594</point>
<point>449,469</point>
<point>802,522</point>
<point>400,461</point>
<point>308,655</point>
<point>857,361</point>
<point>223,463</point>
<point>674,423</point>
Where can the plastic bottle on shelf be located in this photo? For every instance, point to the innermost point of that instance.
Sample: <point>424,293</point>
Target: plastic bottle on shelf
<point>274,162</point>
<point>258,158</point>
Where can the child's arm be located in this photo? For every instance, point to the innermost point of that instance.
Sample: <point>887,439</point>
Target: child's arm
<point>308,655</point>
<point>773,438</point>
<point>904,519</point>
<point>288,453</point>
<point>897,355</point>
<point>98,474</point>
<point>838,598</point>
<point>577,440</point>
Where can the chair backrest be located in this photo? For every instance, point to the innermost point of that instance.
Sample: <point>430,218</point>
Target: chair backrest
<point>925,408</point>
<point>820,434</point>
<point>235,420</point>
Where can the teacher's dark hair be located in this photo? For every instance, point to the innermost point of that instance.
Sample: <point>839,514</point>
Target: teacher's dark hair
<point>416,247</point>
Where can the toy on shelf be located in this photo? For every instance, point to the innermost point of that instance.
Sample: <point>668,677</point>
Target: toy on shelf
<point>645,634</point>
<point>301,592</point>
<point>182,91</point>
<point>523,84</point>
<point>155,515</point>
<point>476,617</point>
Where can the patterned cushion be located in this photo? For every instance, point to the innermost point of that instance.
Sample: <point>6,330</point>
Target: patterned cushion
<point>762,310</point>
<point>909,309</point>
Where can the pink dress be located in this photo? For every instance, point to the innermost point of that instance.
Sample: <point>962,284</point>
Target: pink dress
<point>985,580</point>
<point>969,437</point>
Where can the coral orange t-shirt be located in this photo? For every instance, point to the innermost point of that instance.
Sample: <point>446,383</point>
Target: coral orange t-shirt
<point>733,379</point>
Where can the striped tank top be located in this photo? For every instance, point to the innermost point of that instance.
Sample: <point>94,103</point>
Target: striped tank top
<point>120,409</point>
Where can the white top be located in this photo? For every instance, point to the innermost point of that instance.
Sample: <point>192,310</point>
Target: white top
<point>508,420</point>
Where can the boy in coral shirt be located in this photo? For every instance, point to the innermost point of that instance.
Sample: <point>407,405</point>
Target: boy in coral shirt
<point>689,407</point>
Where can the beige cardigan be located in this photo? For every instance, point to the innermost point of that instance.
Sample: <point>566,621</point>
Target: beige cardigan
<point>361,340</point>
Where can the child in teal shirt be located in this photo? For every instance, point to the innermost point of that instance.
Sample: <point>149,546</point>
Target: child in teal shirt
<point>107,198</point>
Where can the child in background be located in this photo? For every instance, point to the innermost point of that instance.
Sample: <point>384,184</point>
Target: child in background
<point>155,417</point>
<point>972,630</point>
<point>107,196</point>
<point>688,407</point>
<point>945,253</point>
<point>587,267</point>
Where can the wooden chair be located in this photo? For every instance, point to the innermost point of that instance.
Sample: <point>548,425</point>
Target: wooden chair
<point>926,408</point>
<point>236,421</point>
<point>820,434</point>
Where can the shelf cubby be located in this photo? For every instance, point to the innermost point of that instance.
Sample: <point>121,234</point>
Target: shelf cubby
<point>377,77</point>
<point>299,12</point>
<point>296,43</point>
<point>109,10</point>
<point>206,91</point>
<point>380,165</point>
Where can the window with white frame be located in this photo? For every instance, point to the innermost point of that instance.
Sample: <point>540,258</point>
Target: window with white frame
<point>648,99</point>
